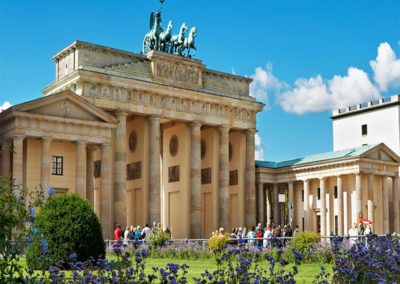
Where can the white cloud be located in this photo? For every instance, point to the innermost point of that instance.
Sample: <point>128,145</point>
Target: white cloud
<point>258,147</point>
<point>5,106</point>
<point>264,83</point>
<point>386,68</point>
<point>316,95</point>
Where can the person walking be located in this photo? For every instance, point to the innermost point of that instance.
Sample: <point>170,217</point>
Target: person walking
<point>117,234</point>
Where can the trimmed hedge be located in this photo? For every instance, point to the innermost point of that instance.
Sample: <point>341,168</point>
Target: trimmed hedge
<point>66,224</point>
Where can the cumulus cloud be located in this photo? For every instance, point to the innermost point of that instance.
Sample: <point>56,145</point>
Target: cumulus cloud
<point>315,94</point>
<point>386,68</point>
<point>264,84</point>
<point>258,147</point>
<point>5,106</point>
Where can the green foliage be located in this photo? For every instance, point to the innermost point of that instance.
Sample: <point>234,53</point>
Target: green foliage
<point>66,224</point>
<point>159,239</point>
<point>304,241</point>
<point>217,241</point>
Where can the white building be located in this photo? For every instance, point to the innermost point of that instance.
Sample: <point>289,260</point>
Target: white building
<point>369,123</point>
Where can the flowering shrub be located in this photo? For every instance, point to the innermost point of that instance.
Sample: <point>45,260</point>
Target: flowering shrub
<point>377,260</point>
<point>303,241</point>
<point>217,241</point>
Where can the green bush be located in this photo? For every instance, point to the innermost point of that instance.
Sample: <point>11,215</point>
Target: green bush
<point>159,239</point>
<point>217,241</point>
<point>304,241</point>
<point>66,224</point>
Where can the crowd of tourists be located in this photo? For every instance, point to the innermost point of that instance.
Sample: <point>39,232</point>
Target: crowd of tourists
<point>262,236</point>
<point>133,233</point>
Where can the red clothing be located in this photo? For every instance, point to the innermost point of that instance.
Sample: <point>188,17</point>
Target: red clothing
<point>117,234</point>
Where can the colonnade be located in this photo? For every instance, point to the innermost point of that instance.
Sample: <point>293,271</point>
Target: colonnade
<point>376,198</point>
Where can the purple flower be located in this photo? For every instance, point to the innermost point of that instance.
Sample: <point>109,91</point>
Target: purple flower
<point>32,212</point>
<point>51,191</point>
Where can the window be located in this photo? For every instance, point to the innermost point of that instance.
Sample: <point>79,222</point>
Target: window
<point>57,168</point>
<point>319,193</point>
<point>302,223</point>
<point>336,225</point>
<point>364,129</point>
<point>335,192</point>
<point>302,195</point>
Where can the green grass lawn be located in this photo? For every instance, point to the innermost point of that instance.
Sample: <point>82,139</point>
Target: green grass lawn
<point>196,267</point>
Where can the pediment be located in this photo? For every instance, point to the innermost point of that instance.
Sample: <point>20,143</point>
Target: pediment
<point>383,153</point>
<point>66,105</point>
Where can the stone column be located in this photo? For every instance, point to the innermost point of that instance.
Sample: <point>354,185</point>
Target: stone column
<point>17,163</point>
<point>154,214</point>
<point>195,193</point>
<point>90,175</point>
<point>385,205</point>
<point>81,161</point>
<point>323,206</point>
<point>250,182</point>
<point>358,197</point>
<point>223,191</point>
<point>276,204</point>
<point>120,170</point>
<point>261,207</point>
<point>340,205</point>
<point>306,205</point>
<point>6,158</point>
<point>291,201</point>
<point>46,164</point>
<point>269,205</point>
<point>106,192</point>
<point>396,205</point>
<point>370,202</point>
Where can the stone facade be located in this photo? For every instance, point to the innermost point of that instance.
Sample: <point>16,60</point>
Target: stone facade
<point>130,129</point>
<point>160,138</point>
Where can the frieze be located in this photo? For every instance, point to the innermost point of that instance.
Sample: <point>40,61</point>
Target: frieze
<point>169,102</point>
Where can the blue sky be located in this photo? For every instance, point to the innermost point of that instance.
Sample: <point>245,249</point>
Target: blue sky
<point>306,57</point>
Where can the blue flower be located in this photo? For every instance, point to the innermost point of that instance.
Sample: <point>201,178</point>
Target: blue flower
<point>51,191</point>
<point>34,230</point>
<point>45,246</point>
<point>32,211</point>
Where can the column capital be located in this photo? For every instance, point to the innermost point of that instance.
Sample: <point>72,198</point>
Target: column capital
<point>121,113</point>
<point>195,123</point>
<point>224,128</point>
<point>154,117</point>
<point>47,138</point>
<point>251,131</point>
<point>106,144</point>
<point>81,142</point>
<point>18,137</point>
<point>322,178</point>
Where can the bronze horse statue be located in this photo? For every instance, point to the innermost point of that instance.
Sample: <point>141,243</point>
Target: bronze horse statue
<point>178,40</point>
<point>189,42</point>
<point>151,39</point>
<point>165,37</point>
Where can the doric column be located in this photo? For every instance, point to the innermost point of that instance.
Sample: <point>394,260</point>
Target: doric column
<point>269,205</point>
<point>291,201</point>
<point>223,192</point>
<point>80,185</point>
<point>261,207</point>
<point>340,224</point>
<point>195,192</point>
<point>385,204</point>
<point>276,204</point>
<point>106,192</point>
<point>370,202</point>
<point>154,170</point>
<point>45,165</point>
<point>323,206</point>
<point>5,158</point>
<point>17,162</point>
<point>358,197</point>
<point>396,205</point>
<point>90,175</point>
<point>250,182</point>
<point>306,205</point>
<point>120,170</point>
